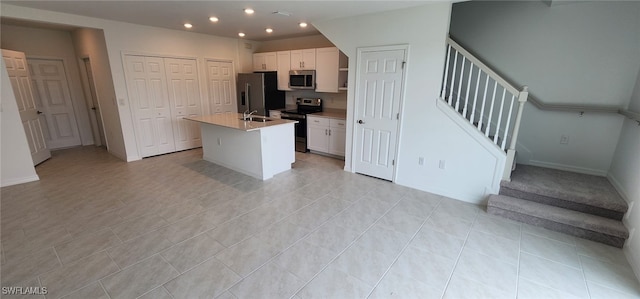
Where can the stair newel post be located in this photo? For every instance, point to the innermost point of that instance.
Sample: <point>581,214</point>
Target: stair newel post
<point>511,152</point>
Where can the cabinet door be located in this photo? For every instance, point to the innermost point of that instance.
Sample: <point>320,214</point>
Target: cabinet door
<point>296,59</point>
<point>309,59</point>
<point>259,62</point>
<point>327,69</point>
<point>271,61</point>
<point>284,66</point>
<point>337,136</point>
<point>318,138</point>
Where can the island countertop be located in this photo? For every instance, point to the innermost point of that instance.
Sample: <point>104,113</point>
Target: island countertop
<point>234,121</point>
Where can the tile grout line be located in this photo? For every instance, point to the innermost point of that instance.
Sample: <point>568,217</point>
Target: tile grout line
<point>103,288</point>
<point>348,245</point>
<point>404,248</point>
<point>519,262</point>
<point>293,244</point>
<point>455,265</point>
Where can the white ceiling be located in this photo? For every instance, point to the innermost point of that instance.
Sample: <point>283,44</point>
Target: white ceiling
<point>173,14</point>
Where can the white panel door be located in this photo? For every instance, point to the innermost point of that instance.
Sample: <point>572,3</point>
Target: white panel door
<point>378,96</point>
<point>146,84</point>
<point>16,65</point>
<point>185,101</point>
<point>221,87</point>
<point>53,95</point>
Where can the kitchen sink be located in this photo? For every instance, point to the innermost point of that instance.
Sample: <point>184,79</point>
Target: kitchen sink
<point>257,119</point>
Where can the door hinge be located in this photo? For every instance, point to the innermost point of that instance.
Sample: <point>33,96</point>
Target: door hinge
<point>397,115</point>
<point>393,162</point>
<point>403,63</point>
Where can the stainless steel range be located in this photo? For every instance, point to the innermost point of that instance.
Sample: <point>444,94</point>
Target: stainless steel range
<point>304,107</point>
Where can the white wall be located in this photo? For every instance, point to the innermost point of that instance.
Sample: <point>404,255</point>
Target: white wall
<point>90,43</point>
<point>124,38</point>
<point>55,44</point>
<point>425,130</point>
<point>15,161</point>
<point>625,175</point>
<point>579,53</point>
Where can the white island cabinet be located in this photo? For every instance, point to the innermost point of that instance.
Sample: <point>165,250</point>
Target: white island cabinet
<point>255,148</point>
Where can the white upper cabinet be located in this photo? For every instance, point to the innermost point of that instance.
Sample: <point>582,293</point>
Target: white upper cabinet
<point>331,66</point>
<point>284,66</point>
<point>303,59</point>
<point>265,62</point>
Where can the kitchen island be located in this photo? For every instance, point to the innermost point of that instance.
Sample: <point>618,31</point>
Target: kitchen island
<point>257,148</point>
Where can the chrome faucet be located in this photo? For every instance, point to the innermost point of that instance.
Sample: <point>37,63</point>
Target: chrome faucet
<point>248,115</point>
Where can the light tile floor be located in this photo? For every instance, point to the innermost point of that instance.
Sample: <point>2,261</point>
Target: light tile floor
<point>175,226</point>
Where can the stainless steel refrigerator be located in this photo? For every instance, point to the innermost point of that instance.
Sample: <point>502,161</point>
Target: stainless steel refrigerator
<point>259,91</point>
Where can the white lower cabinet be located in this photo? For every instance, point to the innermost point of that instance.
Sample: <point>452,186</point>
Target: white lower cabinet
<point>326,135</point>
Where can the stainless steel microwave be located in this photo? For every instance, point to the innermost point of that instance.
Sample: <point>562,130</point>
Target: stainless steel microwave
<point>302,79</point>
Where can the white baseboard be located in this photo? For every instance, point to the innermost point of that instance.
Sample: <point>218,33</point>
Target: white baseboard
<point>16,181</point>
<point>568,168</point>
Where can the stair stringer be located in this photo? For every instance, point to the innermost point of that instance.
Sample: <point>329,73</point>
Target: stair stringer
<point>473,132</point>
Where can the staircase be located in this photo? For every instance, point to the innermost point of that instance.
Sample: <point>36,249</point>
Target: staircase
<point>581,205</point>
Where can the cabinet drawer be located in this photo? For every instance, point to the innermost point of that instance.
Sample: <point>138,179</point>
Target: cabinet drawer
<point>317,121</point>
<point>337,123</point>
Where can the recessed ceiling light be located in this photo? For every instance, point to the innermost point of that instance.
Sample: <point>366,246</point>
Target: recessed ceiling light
<point>303,24</point>
<point>268,30</point>
<point>187,25</point>
<point>213,19</point>
<point>241,34</point>
<point>248,11</point>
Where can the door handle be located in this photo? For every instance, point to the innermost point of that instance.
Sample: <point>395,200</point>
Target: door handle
<point>39,112</point>
<point>93,108</point>
<point>360,122</point>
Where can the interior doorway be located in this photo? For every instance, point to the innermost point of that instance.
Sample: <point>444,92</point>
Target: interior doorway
<point>379,85</point>
<point>30,115</point>
<point>95,113</point>
<point>52,94</point>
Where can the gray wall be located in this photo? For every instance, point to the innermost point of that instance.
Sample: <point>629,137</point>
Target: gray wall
<point>578,53</point>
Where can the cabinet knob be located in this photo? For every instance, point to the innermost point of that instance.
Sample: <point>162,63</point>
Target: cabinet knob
<point>360,121</point>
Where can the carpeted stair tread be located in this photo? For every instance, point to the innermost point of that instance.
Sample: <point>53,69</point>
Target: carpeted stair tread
<point>558,215</point>
<point>581,192</point>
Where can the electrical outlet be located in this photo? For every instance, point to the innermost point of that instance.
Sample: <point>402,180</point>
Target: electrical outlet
<point>442,164</point>
<point>564,139</point>
<point>420,161</point>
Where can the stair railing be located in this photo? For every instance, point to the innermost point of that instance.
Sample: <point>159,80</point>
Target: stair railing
<point>479,94</point>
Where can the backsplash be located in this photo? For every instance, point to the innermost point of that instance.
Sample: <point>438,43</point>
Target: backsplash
<point>329,100</point>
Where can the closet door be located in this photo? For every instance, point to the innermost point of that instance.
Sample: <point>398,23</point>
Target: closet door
<point>185,101</point>
<point>148,97</point>
<point>221,86</point>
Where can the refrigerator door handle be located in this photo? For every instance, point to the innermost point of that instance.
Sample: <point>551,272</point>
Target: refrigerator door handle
<point>247,90</point>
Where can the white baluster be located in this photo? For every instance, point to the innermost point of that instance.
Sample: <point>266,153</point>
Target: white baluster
<point>484,103</point>
<point>493,101</point>
<point>506,126</point>
<point>464,59</point>
<point>466,97</point>
<point>453,77</point>
<point>495,137</point>
<point>446,74</point>
<point>475,98</point>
